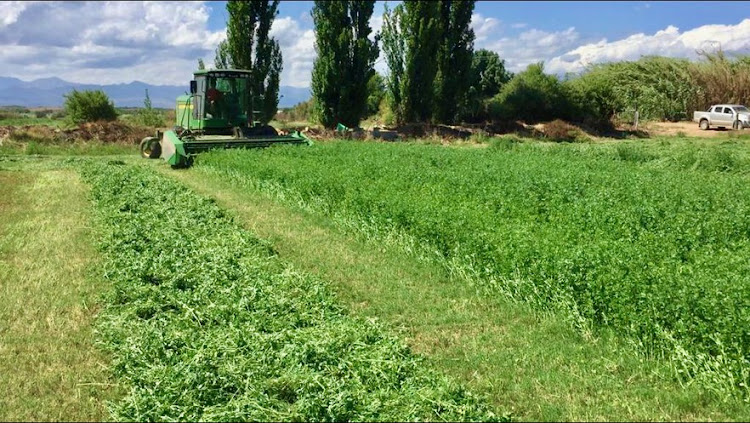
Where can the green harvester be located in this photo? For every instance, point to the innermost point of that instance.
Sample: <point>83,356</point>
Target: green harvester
<point>218,113</point>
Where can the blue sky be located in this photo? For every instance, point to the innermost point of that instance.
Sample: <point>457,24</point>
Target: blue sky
<point>160,42</point>
<point>610,19</point>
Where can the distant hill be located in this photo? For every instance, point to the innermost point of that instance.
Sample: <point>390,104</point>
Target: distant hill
<point>49,92</point>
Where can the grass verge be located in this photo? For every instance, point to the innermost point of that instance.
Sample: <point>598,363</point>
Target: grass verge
<point>50,369</point>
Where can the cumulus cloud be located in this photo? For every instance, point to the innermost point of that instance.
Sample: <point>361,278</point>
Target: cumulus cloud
<point>532,46</point>
<point>160,42</point>
<point>118,42</point>
<point>667,42</point>
<point>297,49</point>
<point>520,49</point>
<point>105,42</point>
<point>484,27</point>
<point>9,11</point>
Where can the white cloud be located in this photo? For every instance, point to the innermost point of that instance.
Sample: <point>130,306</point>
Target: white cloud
<point>519,51</point>
<point>297,50</point>
<point>105,42</point>
<point>9,11</point>
<point>531,46</point>
<point>118,42</point>
<point>667,42</point>
<point>484,27</point>
<point>160,42</point>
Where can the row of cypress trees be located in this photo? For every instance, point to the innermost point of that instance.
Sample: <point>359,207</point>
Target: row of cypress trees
<point>428,48</point>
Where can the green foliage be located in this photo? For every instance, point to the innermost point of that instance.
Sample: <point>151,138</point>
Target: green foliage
<point>486,78</point>
<point>653,249</point>
<point>89,106</point>
<point>488,73</point>
<point>394,52</point>
<point>454,60</point>
<point>14,109</point>
<point>375,93</point>
<point>421,31</point>
<point>248,46</point>
<point>205,323</point>
<point>719,79</point>
<point>42,114</point>
<point>658,87</point>
<point>531,96</point>
<point>411,41</point>
<point>201,65</point>
<point>10,115</point>
<point>222,60</point>
<point>148,116</point>
<point>301,112</point>
<point>345,61</point>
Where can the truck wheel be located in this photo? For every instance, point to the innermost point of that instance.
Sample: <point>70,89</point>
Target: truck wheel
<point>737,125</point>
<point>150,148</point>
<point>704,124</point>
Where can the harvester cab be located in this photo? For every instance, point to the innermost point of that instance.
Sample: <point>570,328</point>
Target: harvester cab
<point>217,113</point>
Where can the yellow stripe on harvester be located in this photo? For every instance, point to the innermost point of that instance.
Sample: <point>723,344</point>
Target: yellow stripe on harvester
<point>184,106</point>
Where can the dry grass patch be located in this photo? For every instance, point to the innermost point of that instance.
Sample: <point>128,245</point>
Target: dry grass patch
<point>50,369</point>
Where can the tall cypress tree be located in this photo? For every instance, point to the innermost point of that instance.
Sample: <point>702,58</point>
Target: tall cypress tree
<point>454,59</point>
<point>345,61</point>
<point>412,33</point>
<point>247,33</point>
<point>395,55</point>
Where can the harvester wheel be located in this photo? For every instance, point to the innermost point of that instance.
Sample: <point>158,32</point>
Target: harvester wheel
<point>150,148</point>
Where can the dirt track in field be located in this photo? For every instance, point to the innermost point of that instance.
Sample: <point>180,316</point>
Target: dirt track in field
<point>690,129</point>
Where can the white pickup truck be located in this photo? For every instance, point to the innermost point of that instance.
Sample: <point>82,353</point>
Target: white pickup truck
<point>734,116</point>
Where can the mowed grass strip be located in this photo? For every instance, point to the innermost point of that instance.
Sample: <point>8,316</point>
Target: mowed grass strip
<point>530,364</point>
<point>205,323</point>
<point>50,369</point>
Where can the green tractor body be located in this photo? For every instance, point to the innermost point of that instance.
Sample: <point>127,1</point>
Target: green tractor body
<point>218,113</point>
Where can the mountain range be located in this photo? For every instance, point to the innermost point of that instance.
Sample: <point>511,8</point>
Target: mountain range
<point>48,92</point>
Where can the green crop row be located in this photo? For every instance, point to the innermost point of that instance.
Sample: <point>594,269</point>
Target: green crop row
<point>657,254</point>
<point>204,323</point>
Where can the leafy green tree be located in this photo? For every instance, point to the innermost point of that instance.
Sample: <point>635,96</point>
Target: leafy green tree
<point>345,61</point>
<point>375,93</point>
<point>411,40</point>
<point>395,56</point>
<point>486,78</point>
<point>249,46</point>
<point>421,30</point>
<point>222,59</point>
<point>148,116</point>
<point>201,65</point>
<point>658,87</point>
<point>89,106</point>
<point>488,73</point>
<point>532,96</point>
<point>454,59</point>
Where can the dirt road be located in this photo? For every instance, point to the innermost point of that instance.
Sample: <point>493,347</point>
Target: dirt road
<point>690,129</point>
